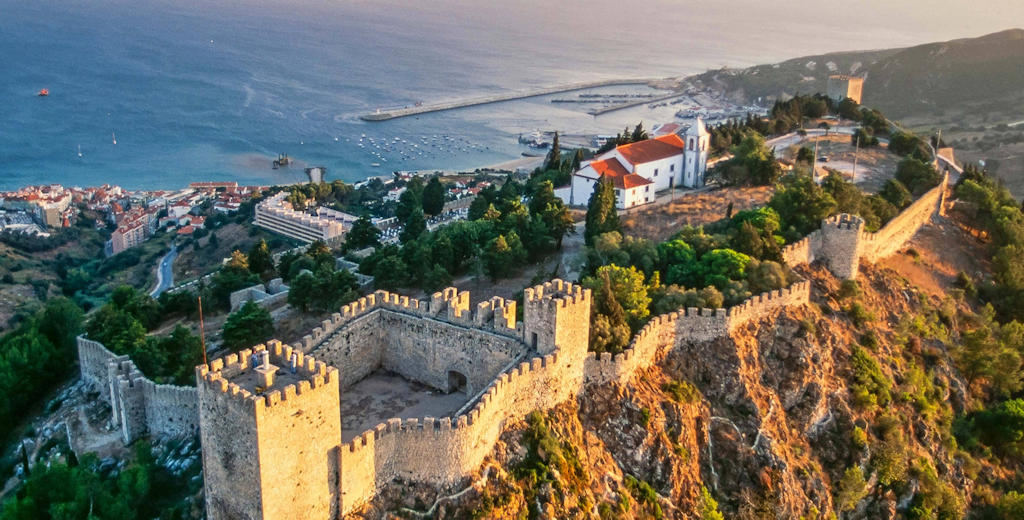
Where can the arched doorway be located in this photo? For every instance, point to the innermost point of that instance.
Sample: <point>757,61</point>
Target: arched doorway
<point>457,382</point>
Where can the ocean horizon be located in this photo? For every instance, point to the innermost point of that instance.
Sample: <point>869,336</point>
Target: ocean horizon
<point>197,92</point>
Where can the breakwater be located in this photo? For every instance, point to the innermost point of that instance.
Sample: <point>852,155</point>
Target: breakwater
<point>386,114</point>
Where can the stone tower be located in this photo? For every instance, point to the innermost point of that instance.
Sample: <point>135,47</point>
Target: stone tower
<point>270,424</point>
<point>695,154</point>
<point>841,244</point>
<point>556,316</point>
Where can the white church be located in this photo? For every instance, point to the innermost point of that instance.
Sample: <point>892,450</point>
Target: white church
<point>640,170</point>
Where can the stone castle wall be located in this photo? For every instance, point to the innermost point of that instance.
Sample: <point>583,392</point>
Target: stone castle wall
<point>423,340</point>
<point>138,405</point>
<point>842,242</point>
<point>446,450</point>
<point>665,332</point>
<point>295,425</point>
<point>902,227</point>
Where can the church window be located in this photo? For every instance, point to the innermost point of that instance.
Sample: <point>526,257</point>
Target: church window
<point>671,167</point>
<point>655,172</point>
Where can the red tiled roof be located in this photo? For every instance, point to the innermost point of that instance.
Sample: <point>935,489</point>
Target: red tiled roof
<point>620,177</point>
<point>631,181</point>
<point>609,167</point>
<point>652,149</point>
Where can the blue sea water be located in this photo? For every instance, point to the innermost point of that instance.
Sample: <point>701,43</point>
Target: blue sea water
<point>214,90</point>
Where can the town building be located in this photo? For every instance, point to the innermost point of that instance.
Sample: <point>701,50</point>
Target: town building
<point>642,169</point>
<point>841,87</point>
<point>127,236</point>
<point>277,214</point>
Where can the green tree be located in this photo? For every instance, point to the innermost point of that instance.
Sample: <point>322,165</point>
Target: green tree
<point>415,226</point>
<point>248,326</point>
<point>433,196</point>
<point>896,193</point>
<point>917,175</point>
<point>260,261</point>
<point>503,255</point>
<point>629,289</point>
<point>752,163</point>
<point>801,205</point>
<point>852,489</point>
<point>363,234</point>
<point>707,509</point>
<point>609,331</point>
<point>552,212</point>
<point>602,215</point>
<point>411,199</point>
<point>553,161</point>
<point>478,207</point>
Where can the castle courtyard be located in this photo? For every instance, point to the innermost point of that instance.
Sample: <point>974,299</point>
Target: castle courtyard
<point>384,395</point>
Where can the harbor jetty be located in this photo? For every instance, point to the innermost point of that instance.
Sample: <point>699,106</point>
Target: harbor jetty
<point>419,108</point>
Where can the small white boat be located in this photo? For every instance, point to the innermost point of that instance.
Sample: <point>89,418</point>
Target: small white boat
<point>114,137</point>
<point>79,150</point>
<point>375,165</point>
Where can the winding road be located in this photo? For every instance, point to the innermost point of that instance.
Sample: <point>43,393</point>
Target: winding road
<point>165,272</point>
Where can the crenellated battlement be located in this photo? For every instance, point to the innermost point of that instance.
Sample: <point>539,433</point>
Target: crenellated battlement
<point>292,375</point>
<point>556,293</point>
<point>843,221</point>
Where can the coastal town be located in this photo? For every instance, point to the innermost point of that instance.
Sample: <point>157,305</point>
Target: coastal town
<point>762,301</point>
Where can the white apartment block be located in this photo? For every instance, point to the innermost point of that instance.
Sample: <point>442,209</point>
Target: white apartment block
<point>277,215</point>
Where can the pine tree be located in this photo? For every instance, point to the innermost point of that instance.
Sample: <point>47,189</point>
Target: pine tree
<point>259,258</point>
<point>433,196</point>
<point>363,234</point>
<point>602,216</point>
<point>414,227</point>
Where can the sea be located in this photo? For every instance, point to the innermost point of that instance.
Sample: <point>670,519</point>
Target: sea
<point>154,94</point>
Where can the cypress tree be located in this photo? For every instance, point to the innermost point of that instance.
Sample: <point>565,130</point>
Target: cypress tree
<point>602,216</point>
<point>554,159</point>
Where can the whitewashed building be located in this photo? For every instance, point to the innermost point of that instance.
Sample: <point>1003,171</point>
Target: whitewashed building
<point>640,170</point>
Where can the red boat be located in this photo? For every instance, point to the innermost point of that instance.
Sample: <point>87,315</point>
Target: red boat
<point>43,93</point>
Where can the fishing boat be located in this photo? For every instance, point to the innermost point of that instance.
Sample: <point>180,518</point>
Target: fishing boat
<point>79,150</point>
<point>114,137</point>
<point>44,92</point>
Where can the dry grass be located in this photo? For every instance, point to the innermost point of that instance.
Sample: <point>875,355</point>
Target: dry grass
<point>937,253</point>
<point>662,221</point>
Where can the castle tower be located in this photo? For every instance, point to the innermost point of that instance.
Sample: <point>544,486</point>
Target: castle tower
<point>270,425</point>
<point>556,316</point>
<point>695,155</point>
<point>841,244</point>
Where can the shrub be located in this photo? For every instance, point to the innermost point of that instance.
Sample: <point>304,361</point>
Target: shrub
<point>859,315</point>
<point>682,391</point>
<point>870,386</point>
<point>849,289</point>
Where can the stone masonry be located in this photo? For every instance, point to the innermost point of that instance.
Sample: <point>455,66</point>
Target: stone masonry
<point>270,419</point>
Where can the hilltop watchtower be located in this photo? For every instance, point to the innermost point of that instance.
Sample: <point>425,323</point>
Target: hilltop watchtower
<point>270,422</point>
<point>556,316</point>
<point>841,87</point>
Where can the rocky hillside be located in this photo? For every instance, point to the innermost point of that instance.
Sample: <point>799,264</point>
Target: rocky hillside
<point>844,406</point>
<point>985,73</point>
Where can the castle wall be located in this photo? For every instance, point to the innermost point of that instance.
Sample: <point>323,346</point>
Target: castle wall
<point>139,406</point>
<point>299,434</point>
<point>280,455</point>
<point>842,242</point>
<point>902,227</point>
<point>424,350</point>
<point>356,350</point>
<point>230,450</point>
<point>668,331</point>
<point>444,450</point>
<point>93,359</point>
